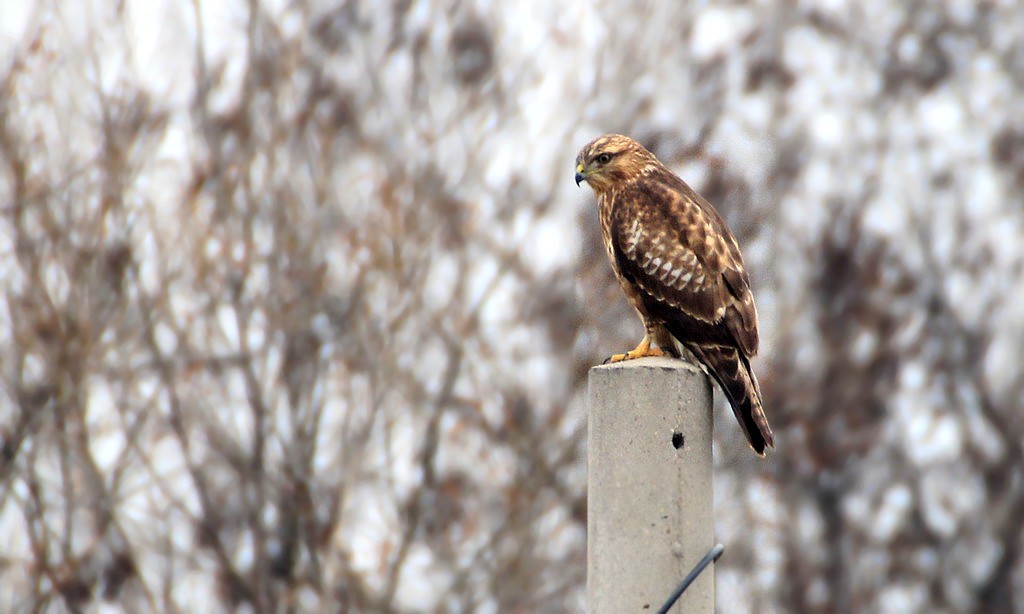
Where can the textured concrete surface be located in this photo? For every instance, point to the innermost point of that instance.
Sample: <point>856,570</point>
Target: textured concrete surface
<point>649,486</point>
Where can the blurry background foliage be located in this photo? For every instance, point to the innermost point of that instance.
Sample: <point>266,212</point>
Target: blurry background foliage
<point>298,298</point>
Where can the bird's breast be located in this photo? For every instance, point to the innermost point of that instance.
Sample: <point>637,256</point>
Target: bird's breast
<point>605,208</point>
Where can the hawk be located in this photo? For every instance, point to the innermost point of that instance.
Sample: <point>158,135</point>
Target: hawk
<point>681,269</point>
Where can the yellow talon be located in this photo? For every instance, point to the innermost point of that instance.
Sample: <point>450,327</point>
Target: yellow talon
<point>643,349</point>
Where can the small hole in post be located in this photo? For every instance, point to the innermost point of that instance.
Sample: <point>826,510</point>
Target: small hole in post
<point>678,440</point>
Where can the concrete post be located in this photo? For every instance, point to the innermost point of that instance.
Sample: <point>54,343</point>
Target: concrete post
<point>649,486</point>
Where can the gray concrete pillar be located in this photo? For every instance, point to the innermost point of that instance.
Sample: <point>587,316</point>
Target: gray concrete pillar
<point>649,486</point>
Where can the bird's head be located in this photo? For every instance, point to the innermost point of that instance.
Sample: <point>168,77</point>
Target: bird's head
<point>611,160</point>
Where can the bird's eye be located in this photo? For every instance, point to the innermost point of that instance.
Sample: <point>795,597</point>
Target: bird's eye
<point>604,158</point>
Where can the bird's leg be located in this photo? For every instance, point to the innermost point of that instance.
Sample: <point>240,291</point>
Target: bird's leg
<point>642,349</point>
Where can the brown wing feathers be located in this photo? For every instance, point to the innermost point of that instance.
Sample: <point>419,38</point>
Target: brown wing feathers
<point>677,250</point>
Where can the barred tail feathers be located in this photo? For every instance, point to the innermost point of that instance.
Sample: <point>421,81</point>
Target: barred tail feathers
<point>739,384</point>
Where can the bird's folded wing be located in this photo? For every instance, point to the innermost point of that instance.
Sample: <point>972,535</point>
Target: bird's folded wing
<point>685,259</point>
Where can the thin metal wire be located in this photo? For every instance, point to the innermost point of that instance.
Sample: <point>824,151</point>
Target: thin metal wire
<point>708,559</point>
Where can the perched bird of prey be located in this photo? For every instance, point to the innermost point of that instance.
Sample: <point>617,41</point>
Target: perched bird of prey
<point>680,268</point>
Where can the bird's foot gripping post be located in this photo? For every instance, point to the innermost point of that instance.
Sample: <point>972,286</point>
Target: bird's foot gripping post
<point>642,350</point>
<point>649,517</point>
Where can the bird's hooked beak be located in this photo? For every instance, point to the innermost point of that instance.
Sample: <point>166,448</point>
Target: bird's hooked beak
<point>580,176</point>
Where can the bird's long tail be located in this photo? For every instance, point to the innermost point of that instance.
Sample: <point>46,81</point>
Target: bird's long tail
<point>736,379</point>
